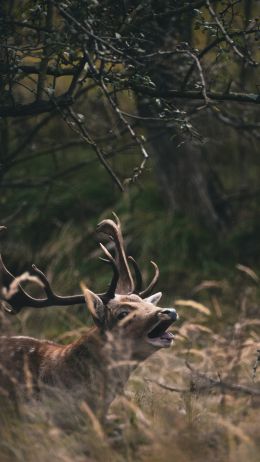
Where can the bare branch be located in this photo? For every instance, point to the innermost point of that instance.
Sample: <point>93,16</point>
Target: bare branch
<point>209,47</point>
<point>226,35</point>
<point>35,69</point>
<point>85,135</point>
<point>241,389</point>
<point>257,362</point>
<point>35,108</point>
<point>46,52</point>
<point>139,170</point>
<point>250,98</point>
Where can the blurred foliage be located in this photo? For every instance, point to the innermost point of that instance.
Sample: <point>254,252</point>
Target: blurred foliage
<point>55,226</point>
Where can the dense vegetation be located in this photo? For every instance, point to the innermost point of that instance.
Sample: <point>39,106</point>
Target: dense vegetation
<point>150,109</point>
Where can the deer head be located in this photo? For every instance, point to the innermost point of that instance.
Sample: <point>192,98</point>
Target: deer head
<point>125,310</point>
<point>132,312</point>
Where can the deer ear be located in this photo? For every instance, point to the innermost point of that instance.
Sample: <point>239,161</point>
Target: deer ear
<point>95,306</point>
<point>154,299</point>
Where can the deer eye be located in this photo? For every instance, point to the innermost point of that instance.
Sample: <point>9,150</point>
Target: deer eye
<point>122,315</point>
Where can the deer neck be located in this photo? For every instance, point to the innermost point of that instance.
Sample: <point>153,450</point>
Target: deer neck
<point>94,363</point>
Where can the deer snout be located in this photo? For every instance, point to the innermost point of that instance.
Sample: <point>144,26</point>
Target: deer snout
<point>169,313</point>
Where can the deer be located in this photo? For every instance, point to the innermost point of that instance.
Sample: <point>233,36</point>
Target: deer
<point>128,327</point>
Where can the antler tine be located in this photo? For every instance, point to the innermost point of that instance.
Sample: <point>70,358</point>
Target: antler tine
<point>53,299</point>
<point>146,292</point>
<point>113,230</point>
<point>138,276</point>
<point>110,293</point>
<point>19,298</point>
<point>43,278</point>
<point>6,276</point>
<point>118,223</point>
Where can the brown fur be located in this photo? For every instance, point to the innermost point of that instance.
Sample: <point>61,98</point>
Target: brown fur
<point>95,367</point>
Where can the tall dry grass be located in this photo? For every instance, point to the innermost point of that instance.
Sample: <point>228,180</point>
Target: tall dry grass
<point>196,401</point>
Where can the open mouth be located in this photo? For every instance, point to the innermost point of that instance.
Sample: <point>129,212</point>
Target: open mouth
<point>158,335</point>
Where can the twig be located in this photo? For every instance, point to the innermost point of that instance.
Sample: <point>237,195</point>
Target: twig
<point>168,387</point>
<point>42,76</point>
<point>35,108</point>
<point>85,135</point>
<point>197,95</point>
<point>209,47</point>
<point>236,123</point>
<point>224,385</point>
<point>139,170</point>
<point>213,384</point>
<point>257,362</point>
<point>104,42</point>
<point>226,35</point>
<point>200,70</point>
<point>17,151</point>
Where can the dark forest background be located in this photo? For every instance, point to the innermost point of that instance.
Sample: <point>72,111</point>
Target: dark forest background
<point>149,109</point>
<point>89,125</point>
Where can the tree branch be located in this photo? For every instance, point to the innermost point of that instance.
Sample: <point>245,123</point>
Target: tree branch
<point>228,39</point>
<point>251,98</point>
<point>209,47</point>
<point>35,69</point>
<point>211,384</point>
<point>37,107</point>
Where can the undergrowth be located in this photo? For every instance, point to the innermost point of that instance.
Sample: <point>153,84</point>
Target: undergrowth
<point>182,404</point>
<point>198,400</point>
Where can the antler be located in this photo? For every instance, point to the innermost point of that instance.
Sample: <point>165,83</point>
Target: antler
<point>110,293</point>
<point>139,280</point>
<point>17,298</point>
<point>113,230</point>
<point>125,283</point>
<point>138,276</point>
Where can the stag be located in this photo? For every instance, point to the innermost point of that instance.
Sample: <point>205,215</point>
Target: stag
<point>128,328</point>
